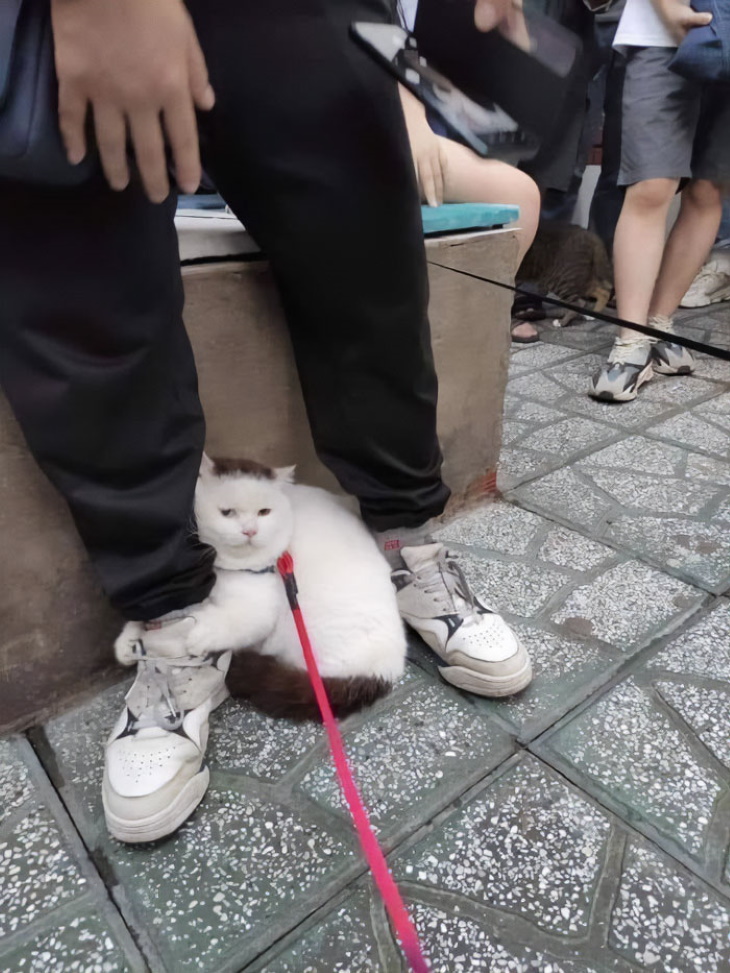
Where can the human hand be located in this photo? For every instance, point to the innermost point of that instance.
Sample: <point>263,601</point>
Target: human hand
<point>507,16</point>
<point>138,65</point>
<point>429,158</point>
<point>680,18</point>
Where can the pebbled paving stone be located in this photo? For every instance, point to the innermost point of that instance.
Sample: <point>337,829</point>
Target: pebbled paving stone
<point>238,870</point>
<point>527,844</point>
<point>658,501</point>
<point>665,921</point>
<point>706,711</point>
<point>82,944</point>
<point>627,750</point>
<point>414,757</point>
<point>38,871</point>
<point>344,942</point>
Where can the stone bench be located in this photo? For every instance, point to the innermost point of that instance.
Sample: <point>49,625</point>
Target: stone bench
<point>55,640</point>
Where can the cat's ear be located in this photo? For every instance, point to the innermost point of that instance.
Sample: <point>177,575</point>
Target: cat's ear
<point>206,466</point>
<point>285,474</point>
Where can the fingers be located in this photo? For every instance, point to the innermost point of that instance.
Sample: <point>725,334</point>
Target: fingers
<point>693,19</point>
<point>430,179</point>
<point>72,108</point>
<point>182,134</point>
<point>489,13</point>
<point>200,88</point>
<point>149,150</point>
<point>111,139</point>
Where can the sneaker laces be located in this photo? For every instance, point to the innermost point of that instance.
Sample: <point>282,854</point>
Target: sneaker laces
<point>156,678</point>
<point>624,349</point>
<point>445,581</point>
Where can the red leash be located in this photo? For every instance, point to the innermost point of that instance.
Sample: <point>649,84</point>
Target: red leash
<point>368,842</point>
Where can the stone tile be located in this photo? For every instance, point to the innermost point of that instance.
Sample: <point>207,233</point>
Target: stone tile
<point>700,551</point>
<point>536,385</point>
<point>626,605</point>
<point>706,710</point>
<point>693,430</point>
<point>531,413</point>
<point>664,920</point>
<point>500,527</point>
<point>512,431</point>
<point>38,873</point>
<point>539,355</point>
<point>517,465</point>
<point>582,335</point>
<point>342,943</point>
<point>77,739</point>
<point>454,943</point>
<point>414,757</point>
<point>564,669</point>
<point>650,498</point>
<point>567,549</point>
<point>712,368</point>
<point>626,749</point>
<point>527,844</point>
<point>626,415</point>
<point>250,743</point>
<point>242,868</point>
<point>521,589</point>
<point>702,650</point>
<point>562,439</point>
<point>15,784</point>
<point>574,375</point>
<point>82,944</point>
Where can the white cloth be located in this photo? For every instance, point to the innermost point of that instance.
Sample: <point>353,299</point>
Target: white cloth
<point>641,26</point>
<point>408,11</point>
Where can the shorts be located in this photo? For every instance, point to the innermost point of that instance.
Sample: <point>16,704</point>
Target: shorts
<point>671,128</point>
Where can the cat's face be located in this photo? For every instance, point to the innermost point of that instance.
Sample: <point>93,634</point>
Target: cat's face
<point>240,514</point>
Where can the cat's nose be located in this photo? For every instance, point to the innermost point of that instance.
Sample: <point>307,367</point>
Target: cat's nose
<point>251,532</point>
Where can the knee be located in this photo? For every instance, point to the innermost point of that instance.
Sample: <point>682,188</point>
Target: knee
<point>527,196</point>
<point>651,194</point>
<point>703,194</point>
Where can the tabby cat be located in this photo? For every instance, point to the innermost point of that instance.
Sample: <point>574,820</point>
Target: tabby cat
<point>571,263</point>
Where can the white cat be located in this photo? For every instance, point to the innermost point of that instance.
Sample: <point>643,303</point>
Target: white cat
<point>250,514</point>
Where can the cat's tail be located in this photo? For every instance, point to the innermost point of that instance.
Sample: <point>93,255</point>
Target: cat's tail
<point>280,690</point>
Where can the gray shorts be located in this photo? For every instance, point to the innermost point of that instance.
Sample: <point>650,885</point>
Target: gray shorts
<point>671,128</point>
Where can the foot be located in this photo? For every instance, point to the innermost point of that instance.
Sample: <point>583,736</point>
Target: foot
<point>154,775</point>
<point>669,358</point>
<point>482,653</point>
<point>524,333</point>
<point>629,366</point>
<point>711,285</point>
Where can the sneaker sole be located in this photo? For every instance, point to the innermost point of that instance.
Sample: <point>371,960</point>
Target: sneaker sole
<point>630,394</point>
<point>483,685</point>
<point>139,830</point>
<point>683,370</point>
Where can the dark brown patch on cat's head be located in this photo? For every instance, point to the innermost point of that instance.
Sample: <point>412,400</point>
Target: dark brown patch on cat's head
<point>223,466</point>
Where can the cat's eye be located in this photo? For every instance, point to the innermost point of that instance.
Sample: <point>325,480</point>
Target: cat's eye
<point>264,512</point>
<point>227,513</point>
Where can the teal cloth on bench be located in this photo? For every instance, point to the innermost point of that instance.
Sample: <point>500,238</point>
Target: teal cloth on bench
<point>455,217</point>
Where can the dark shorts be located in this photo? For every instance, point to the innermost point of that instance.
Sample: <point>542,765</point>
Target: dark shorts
<point>672,128</point>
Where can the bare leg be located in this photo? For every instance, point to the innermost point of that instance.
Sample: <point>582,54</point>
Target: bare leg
<point>638,247</point>
<point>469,179</point>
<point>689,243</point>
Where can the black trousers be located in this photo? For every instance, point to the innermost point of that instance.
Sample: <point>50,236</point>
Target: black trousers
<point>307,145</point>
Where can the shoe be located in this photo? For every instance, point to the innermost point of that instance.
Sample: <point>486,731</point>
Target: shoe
<point>629,366</point>
<point>712,284</point>
<point>669,358</point>
<point>154,775</point>
<point>482,653</point>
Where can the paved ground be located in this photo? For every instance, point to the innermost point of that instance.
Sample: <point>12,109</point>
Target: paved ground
<point>581,827</point>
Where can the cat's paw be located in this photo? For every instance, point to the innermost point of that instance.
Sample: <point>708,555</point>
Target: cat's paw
<point>206,635</point>
<point>127,640</point>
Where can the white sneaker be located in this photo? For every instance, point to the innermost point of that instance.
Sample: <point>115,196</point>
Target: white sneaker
<point>154,776</point>
<point>712,283</point>
<point>483,654</point>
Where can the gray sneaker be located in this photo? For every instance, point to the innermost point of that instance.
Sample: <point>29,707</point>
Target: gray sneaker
<point>629,366</point>
<point>155,775</point>
<point>480,651</point>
